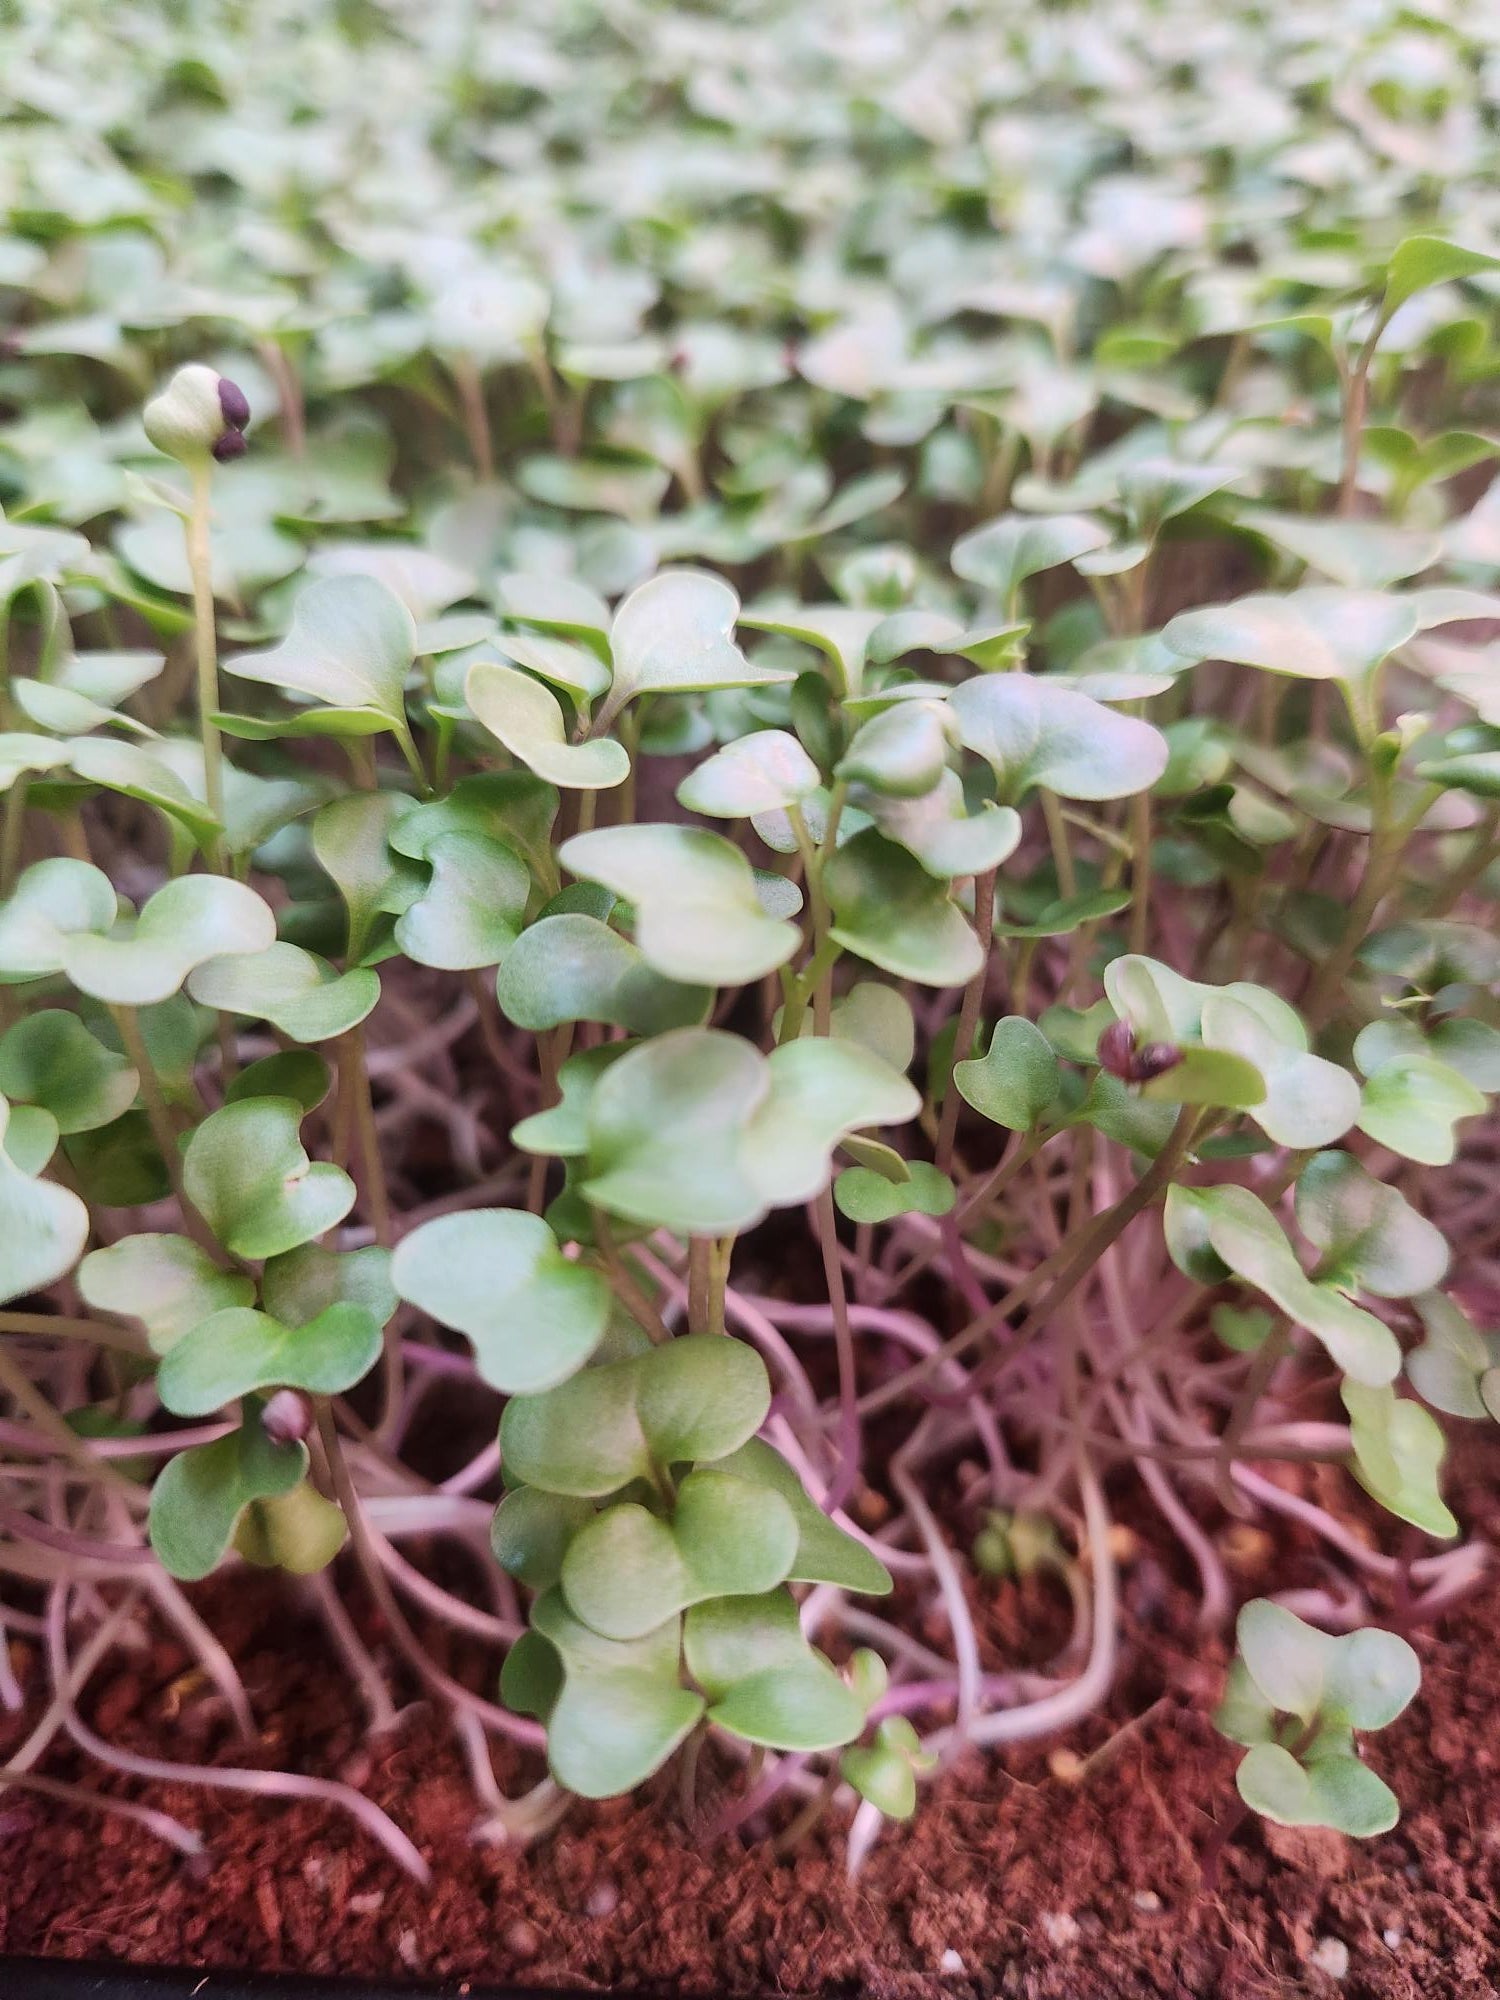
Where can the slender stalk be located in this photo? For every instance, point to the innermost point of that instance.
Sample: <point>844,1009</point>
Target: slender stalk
<point>1140,871</point>
<point>987,1189</point>
<point>476,416</point>
<point>813,983</point>
<point>847,1470</point>
<point>58,1326</point>
<point>163,1126</point>
<point>406,1641</point>
<point>698,1284</point>
<point>13,833</point>
<point>630,1293</point>
<point>1382,860</point>
<point>1066,1268</point>
<point>1356,388</point>
<point>1266,1360</point>
<point>720,1254</point>
<point>1062,847</point>
<point>23,1392</point>
<point>372,1167</point>
<point>630,737</point>
<point>1482,852</point>
<point>288,396</point>
<point>354,1078</point>
<point>968,1015</point>
<point>205,644</point>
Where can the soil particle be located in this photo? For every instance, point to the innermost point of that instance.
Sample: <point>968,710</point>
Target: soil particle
<point>1007,1883</point>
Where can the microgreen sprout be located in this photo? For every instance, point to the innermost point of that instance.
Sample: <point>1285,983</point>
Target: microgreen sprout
<point>787,890</point>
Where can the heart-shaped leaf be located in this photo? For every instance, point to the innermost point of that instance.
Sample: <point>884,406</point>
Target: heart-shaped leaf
<point>1361,555</point>
<point>246,1173</point>
<point>298,1531</point>
<point>884,1772</point>
<point>351,839</point>
<point>901,752</point>
<point>1062,915</point>
<point>697,1130</point>
<point>867,1196</point>
<point>1371,1237</point>
<point>1361,1680</point>
<point>43,1227</point>
<point>1338,1792</point>
<point>767,771</point>
<point>628,1570</point>
<point>1303,1100</point>
<point>841,632</point>
<point>349,648</point>
<point>1242,1231</point>
<point>1455,1362</point>
<point>1208,1076</point>
<point>31,1138</point>
<point>531,1531</point>
<point>200,1494</point>
<point>471,912</point>
<point>563,1129</point>
<point>50,1059</point>
<point>294,1073</point>
<point>820,1090</point>
<point>764,1682</point>
<point>1004,553</point>
<point>698,1398</point>
<point>943,835</point>
<point>528,719</point>
<point>663,1124</point>
<point>1015,1080</point>
<point>555,603</point>
<point>497,1276</point>
<point>1320,633</point>
<point>577,669</point>
<point>301,1283</point>
<point>141,960</point>
<point>892,912</point>
<point>1398,1450</point>
<point>673,635</point>
<point>1030,734</point>
<point>167,1283</point>
<point>512,808</point>
<point>119,1165</point>
<point>295,990</point>
<point>237,1351</point>
<point>614,1709</point>
<point>879,1018</point>
<point>825,1553</point>
<point>52,902</point>
<point>698,918</point>
<point>1307,1101</point>
<point>575,968</point>
<point>1411,1103</point>
<point>146,775</point>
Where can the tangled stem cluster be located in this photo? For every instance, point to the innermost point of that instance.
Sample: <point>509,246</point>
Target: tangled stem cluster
<point>641,825</point>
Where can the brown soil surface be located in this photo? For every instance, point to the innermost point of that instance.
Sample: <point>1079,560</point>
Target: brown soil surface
<point>1043,1889</point>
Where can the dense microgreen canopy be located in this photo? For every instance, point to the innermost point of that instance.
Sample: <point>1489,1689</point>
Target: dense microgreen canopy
<point>748,825</point>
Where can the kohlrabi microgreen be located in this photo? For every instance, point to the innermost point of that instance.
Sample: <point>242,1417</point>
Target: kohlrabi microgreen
<point>749,836</point>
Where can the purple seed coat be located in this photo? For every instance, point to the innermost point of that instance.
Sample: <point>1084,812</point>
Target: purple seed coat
<point>234,404</point>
